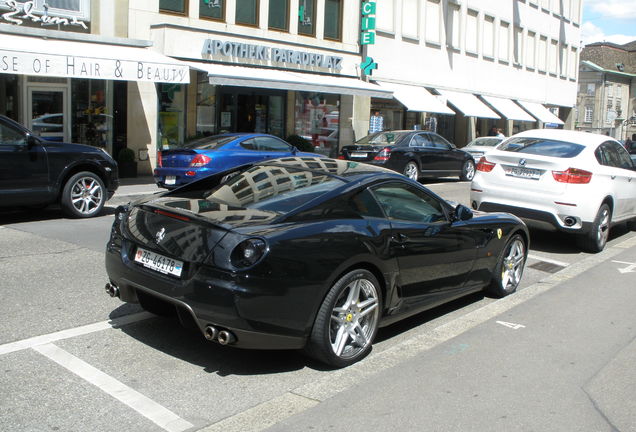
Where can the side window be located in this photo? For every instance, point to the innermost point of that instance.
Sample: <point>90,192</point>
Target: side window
<point>611,154</point>
<point>440,142</point>
<point>249,144</point>
<point>404,202</point>
<point>10,136</point>
<point>271,144</point>
<point>365,205</point>
<point>419,140</point>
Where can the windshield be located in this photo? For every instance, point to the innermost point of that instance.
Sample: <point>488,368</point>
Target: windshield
<point>209,143</point>
<point>273,188</point>
<point>542,147</point>
<point>381,138</point>
<point>484,142</point>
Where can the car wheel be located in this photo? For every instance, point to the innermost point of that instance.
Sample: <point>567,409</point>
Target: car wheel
<point>155,305</point>
<point>411,170</point>
<point>83,195</point>
<point>468,171</point>
<point>509,268</point>
<point>596,239</point>
<point>347,320</point>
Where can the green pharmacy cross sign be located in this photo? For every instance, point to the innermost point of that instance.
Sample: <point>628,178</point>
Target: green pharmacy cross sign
<point>368,65</point>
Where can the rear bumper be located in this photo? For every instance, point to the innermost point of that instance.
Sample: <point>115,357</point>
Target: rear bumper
<point>210,297</point>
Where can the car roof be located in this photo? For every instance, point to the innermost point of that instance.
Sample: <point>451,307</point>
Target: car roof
<point>583,138</point>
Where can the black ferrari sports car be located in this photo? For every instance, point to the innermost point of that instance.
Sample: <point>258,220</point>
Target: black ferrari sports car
<point>305,252</point>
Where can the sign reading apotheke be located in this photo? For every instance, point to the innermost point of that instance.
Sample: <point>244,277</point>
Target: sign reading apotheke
<point>274,54</point>
<point>41,64</point>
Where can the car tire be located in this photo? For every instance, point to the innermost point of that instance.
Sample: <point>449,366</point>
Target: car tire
<point>83,195</point>
<point>468,170</point>
<point>631,225</point>
<point>347,320</point>
<point>155,305</point>
<point>509,268</point>
<point>412,170</point>
<point>595,240</point>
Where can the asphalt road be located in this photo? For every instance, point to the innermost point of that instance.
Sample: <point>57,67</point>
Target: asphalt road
<point>75,360</point>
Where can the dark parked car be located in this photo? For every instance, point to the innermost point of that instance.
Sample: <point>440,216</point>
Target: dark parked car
<point>209,155</point>
<point>35,172</point>
<point>307,253</point>
<point>413,153</point>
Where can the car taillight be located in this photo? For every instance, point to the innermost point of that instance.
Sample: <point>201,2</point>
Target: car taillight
<point>199,161</point>
<point>485,166</point>
<point>383,155</point>
<point>572,175</point>
<point>159,162</point>
<point>341,157</point>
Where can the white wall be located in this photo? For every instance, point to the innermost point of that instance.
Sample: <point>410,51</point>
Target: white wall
<point>441,53</point>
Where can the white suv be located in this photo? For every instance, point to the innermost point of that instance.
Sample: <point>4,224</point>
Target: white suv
<point>575,182</point>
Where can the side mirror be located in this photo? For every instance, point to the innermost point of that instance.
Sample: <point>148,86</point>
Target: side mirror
<point>31,140</point>
<point>463,213</point>
<point>294,150</point>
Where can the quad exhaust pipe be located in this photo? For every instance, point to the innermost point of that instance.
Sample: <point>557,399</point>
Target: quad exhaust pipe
<point>224,337</point>
<point>112,290</point>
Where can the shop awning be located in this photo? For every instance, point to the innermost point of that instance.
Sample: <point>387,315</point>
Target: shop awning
<point>468,104</point>
<point>540,112</point>
<point>416,98</point>
<point>508,109</point>
<point>26,55</point>
<point>286,80</point>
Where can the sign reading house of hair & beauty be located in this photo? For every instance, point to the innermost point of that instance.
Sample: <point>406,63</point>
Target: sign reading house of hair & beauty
<point>62,65</point>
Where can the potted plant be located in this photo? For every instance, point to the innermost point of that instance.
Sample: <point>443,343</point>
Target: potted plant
<point>127,163</point>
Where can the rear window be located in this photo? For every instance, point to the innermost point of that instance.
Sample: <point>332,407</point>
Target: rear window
<point>209,143</point>
<point>381,138</point>
<point>273,188</point>
<point>542,147</point>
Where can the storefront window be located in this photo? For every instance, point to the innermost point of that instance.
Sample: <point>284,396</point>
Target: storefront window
<point>317,119</point>
<point>9,96</point>
<point>247,12</point>
<point>279,14</point>
<point>212,9</point>
<point>173,6</point>
<point>91,112</point>
<point>171,115</point>
<point>307,19</point>
<point>333,19</point>
<point>206,106</point>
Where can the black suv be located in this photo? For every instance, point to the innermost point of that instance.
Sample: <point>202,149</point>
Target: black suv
<point>35,172</point>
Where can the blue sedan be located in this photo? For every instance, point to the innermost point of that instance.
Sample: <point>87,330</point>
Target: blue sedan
<point>209,155</point>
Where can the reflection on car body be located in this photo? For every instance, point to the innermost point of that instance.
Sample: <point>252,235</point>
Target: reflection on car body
<point>310,253</point>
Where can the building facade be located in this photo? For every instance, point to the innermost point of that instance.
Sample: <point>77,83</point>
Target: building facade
<point>151,74</point>
<point>484,59</point>
<point>607,90</point>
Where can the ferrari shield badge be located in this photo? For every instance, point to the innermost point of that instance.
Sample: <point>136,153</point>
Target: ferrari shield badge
<point>499,233</point>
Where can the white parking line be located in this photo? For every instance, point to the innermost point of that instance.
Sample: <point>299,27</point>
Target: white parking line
<point>150,409</point>
<point>548,260</point>
<point>73,332</point>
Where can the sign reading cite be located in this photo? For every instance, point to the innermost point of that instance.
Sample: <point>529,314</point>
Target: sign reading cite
<point>40,64</point>
<point>274,54</point>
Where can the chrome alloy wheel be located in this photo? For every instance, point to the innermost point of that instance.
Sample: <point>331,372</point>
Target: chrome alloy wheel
<point>512,266</point>
<point>354,318</point>
<point>411,170</point>
<point>87,195</point>
<point>602,231</point>
<point>469,170</point>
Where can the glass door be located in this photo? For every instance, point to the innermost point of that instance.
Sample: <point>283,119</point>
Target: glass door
<point>47,113</point>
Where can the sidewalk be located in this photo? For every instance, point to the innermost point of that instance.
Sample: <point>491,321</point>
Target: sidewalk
<point>133,188</point>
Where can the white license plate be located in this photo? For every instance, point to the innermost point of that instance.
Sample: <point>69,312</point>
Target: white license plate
<point>523,172</point>
<point>358,155</point>
<point>170,180</point>
<point>158,262</point>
